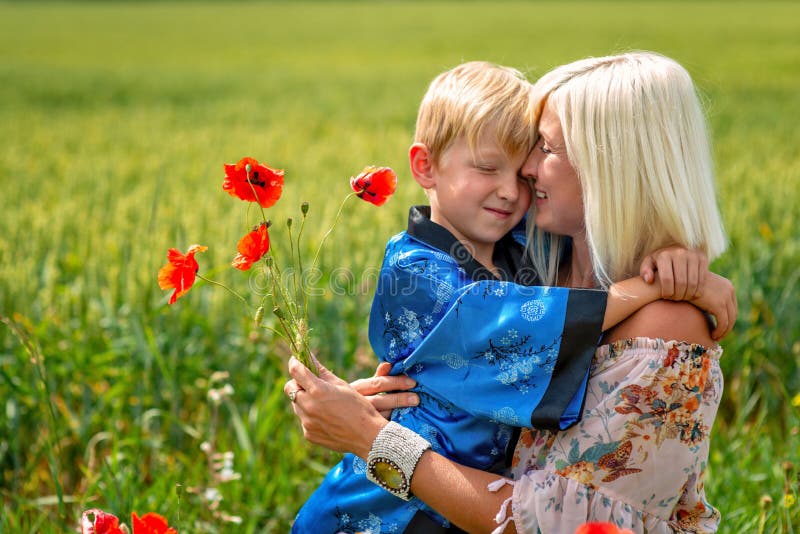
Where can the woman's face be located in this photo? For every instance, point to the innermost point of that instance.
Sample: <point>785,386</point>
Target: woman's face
<point>557,189</point>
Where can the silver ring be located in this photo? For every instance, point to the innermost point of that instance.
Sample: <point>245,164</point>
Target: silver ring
<point>293,394</point>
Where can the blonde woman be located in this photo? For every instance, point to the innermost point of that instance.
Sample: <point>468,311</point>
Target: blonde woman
<point>622,167</point>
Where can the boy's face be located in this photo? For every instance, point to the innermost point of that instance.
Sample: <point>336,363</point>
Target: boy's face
<point>478,197</point>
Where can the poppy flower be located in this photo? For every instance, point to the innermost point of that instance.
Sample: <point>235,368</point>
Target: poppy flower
<point>375,184</point>
<point>150,523</point>
<point>252,247</point>
<point>96,521</point>
<point>179,274</point>
<point>601,528</point>
<point>264,185</point>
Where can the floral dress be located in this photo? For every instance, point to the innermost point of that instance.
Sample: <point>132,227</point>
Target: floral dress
<point>639,455</point>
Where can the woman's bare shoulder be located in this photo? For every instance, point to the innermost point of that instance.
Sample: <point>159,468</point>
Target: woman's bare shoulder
<point>665,319</point>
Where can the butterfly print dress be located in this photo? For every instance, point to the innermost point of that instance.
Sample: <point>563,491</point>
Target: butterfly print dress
<point>638,456</point>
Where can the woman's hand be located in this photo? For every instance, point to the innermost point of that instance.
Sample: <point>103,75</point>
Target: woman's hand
<point>376,390</point>
<point>331,412</point>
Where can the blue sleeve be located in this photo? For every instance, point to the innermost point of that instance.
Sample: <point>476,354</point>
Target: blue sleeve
<point>416,287</point>
<point>513,354</point>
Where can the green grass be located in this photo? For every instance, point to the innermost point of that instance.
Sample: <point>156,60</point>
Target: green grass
<point>115,120</point>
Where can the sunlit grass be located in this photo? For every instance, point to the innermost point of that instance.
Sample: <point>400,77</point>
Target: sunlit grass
<point>115,120</point>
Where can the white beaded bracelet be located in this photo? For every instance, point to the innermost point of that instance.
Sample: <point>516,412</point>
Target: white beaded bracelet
<point>393,458</point>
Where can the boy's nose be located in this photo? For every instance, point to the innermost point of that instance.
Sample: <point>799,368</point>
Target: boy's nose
<point>509,188</point>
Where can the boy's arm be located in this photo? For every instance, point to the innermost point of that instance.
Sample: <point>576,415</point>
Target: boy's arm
<point>627,297</point>
<point>675,273</point>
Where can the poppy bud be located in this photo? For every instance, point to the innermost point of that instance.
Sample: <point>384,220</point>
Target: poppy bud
<point>247,169</point>
<point>289,222</point>
<point>304,208</point>
<point>278,312</point>
<point>259,315</point>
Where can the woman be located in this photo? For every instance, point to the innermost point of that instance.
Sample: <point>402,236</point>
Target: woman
<point>622,167</point>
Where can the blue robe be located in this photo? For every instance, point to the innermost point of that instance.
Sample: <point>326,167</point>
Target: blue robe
<point>489,355</point>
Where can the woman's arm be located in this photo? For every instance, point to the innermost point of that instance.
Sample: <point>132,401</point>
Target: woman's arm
<point>335,416</point>
<point>460,493</point>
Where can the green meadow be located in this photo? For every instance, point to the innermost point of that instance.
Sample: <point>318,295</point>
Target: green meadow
<point>115,121</point>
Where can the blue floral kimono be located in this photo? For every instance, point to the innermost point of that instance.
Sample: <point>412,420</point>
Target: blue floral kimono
<point>489,356</point>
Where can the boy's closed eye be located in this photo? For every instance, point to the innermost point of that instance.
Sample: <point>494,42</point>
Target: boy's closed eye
<point>486,168</point>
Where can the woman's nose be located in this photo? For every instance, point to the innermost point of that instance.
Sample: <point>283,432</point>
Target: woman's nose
<point>528,169</point>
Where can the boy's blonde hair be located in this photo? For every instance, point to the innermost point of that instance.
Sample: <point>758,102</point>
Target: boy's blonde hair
<point>635,132</point>
<point>469,99</point>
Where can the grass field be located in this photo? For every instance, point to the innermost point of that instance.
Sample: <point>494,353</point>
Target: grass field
<point>115,120</point>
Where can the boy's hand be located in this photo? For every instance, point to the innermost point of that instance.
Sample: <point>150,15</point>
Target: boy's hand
<point>384,392</point>
<point>681,271</point>
<point>718,298</point>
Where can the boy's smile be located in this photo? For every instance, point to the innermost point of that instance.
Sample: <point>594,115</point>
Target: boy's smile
<point>478,197</point>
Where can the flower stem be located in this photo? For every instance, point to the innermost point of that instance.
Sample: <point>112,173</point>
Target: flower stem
<point>293,263</point>
<point>325,237</point>
<point>223,286</point>
<point>299,253</point>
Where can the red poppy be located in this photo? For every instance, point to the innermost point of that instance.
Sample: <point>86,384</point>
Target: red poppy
<point>252,247</point>
<point>264,185</point>
<point>375,184</point>
<point>150,523</point>
<point>601,528</point>
<point>180,272</point>
<point>96,521</point>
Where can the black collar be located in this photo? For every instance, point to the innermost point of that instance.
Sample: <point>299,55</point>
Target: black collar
<point>507,257</point>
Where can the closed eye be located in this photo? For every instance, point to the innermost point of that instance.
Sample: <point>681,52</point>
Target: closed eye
<point>542,146</point>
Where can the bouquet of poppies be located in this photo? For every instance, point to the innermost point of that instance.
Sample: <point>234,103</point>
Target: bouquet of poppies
<point>261,185</point>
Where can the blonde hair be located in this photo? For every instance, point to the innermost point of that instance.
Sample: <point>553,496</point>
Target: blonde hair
<point>471,98</point>
<point>635,133</point>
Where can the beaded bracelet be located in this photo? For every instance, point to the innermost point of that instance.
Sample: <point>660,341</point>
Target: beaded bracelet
<point>393,458</point>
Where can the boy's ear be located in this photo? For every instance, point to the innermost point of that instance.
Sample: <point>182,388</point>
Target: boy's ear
<point>419,159</point>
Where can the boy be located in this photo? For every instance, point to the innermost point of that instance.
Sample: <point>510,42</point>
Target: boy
<point>488,355</point>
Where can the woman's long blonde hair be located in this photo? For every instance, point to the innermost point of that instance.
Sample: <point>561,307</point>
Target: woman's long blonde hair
<point>635,133</point>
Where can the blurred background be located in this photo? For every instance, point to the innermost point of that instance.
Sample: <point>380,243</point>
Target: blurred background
<point>115,121</point>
